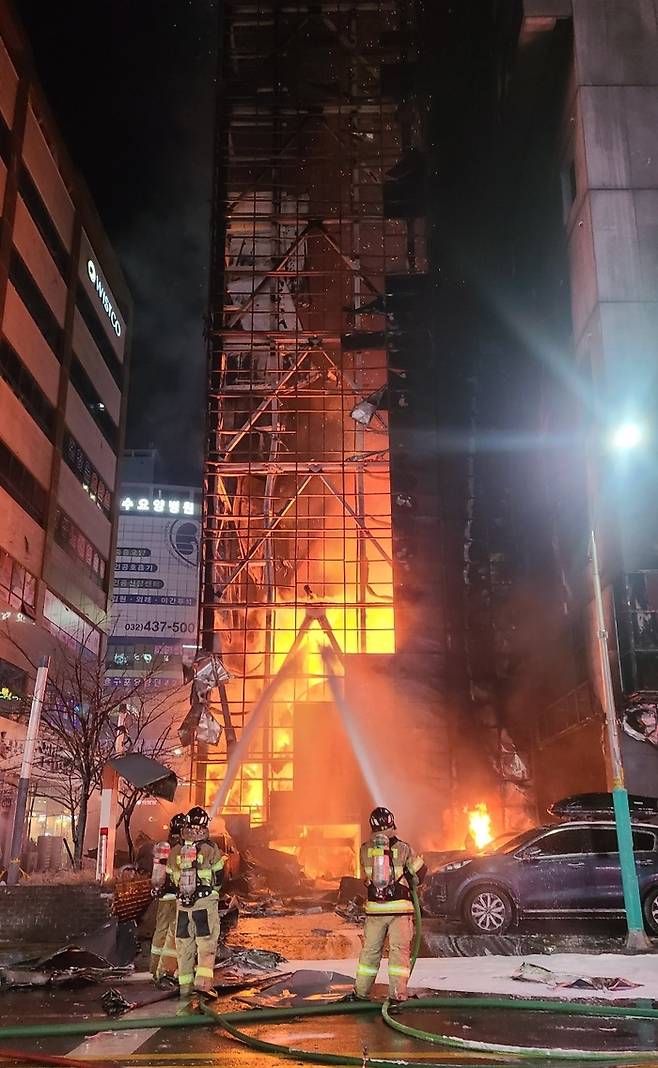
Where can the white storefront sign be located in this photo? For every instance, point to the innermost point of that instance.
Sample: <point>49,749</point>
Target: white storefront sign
<point>98,284</point>
<point>156,577</point>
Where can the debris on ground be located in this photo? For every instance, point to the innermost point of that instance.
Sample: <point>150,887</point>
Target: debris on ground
<point>534,973</point>
<point>302,987</point>
<point>352,912</point>
<point>245,959</point>
<point>271,869</point>
<point>106,955</point>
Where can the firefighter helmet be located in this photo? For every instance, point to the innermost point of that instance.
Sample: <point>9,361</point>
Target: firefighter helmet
<point>198,817</point>
<point>177,823</point>
<point>382,819</point>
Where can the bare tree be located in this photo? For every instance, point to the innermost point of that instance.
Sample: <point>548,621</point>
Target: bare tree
<point>79,727</point>
<point>151,731</point>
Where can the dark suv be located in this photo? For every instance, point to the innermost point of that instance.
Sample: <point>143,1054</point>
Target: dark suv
<point>570,870</point>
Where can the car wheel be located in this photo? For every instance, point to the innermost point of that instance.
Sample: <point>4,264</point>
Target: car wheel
<point>650,909</point>
<point>488,910</point>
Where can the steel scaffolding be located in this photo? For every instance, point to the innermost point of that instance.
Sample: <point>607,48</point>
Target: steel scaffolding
<point>315,133</point>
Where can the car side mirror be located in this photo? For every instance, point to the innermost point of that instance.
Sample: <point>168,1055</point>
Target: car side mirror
<point>531,853</point>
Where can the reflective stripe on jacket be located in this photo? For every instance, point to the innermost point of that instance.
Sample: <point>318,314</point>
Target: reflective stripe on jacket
<point>209,866</point>
<point>403,861</point>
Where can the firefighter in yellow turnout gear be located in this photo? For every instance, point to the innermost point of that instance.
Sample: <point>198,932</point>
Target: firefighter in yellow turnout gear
<point>389,866</point>
<point>196,868</point>
<point>163,946</point>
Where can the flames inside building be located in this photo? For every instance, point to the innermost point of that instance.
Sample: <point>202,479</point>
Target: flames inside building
<point>315,245</point>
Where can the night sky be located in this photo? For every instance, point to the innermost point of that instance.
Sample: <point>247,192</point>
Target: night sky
<point>131,85</point>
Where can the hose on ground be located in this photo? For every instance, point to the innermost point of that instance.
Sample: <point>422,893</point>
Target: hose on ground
<point>229,1022</point>
<point>514,1054</point>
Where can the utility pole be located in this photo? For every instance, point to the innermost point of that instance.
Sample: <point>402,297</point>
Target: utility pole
<point>636,939</point>
<point>107,829</point>
<point>18,832</point>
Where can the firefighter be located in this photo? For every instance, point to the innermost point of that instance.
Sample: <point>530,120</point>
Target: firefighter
<point>196,867</point>
<point>390,867</point>
<point>163,946</point>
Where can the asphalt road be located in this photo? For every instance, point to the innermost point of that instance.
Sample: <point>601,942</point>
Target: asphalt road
<point>355,1035</point>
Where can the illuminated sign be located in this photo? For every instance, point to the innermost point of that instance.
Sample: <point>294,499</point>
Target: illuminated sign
<point>97,283</point>
<point>159,506</point>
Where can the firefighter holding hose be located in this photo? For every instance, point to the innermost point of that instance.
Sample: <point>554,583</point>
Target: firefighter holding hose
<point>390,867</point>
<point>196,868</point>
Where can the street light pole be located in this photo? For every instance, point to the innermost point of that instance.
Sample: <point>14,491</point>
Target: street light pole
<point>18,832</point>
<point>636,939</point>
<point>107,823</point>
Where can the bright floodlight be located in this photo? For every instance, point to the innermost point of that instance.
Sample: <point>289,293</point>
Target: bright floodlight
<point>627,436</point>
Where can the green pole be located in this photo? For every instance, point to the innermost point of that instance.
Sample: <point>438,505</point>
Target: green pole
<point>636,940</point>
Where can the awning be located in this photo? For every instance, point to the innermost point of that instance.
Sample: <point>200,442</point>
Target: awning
<point>146,774</point>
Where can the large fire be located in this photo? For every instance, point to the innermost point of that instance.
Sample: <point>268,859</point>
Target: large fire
<point>479,825</point>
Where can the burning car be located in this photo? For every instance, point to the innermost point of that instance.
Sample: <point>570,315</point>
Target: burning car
<point>565,870</point>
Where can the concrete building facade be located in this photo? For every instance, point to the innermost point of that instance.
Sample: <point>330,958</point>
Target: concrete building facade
<point>65,316</point>
<point>65,320</point>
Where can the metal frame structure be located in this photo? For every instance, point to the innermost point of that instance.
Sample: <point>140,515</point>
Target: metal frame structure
<point>313,132</point>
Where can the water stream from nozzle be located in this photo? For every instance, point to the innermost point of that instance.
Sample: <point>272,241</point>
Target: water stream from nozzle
<point>360,746</point>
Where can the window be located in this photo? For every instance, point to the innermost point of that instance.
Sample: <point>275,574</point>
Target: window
<point>17,586</point>
<point>566,842</point>
<point>5,141</point>
<point>569,182</point>
<point>22,486</point>
<point>71,539</point>
<point>68,626</point>
<point>27,389</point>
<point>76,458</point>
<point>44,224</point>
<point>104,345</point>
<point>13,685</point>
<point>643,841</point>
<point>82,382</point>
<point>35,302</point>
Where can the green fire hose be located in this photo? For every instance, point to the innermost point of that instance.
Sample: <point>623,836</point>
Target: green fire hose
<point>233,1022</point>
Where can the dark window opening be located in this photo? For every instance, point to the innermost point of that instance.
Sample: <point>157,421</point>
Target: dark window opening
<point>17,586</point>
<point>27,389</point>
<point>35,302</point>
<point>77,460</point>
<point>95,406</point>
<point>71,539</point>
<point>5,141</point>
<point>43,221</point>
<point>22,486</point>
<point>88,313</point>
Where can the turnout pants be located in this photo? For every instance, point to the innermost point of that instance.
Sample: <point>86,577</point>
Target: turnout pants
<point>163,946</point>
<point>197,935</point>
<point>400,932</point>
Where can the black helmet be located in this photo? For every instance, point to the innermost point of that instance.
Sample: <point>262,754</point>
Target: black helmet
<point>382,819</point>
<point>198,817</point>
<point>177,823</point>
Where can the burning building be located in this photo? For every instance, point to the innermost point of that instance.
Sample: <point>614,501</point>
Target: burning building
<point>315,526</point>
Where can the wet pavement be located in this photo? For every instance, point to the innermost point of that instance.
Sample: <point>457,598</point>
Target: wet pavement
<point>346,1035</point>
<point>320,937</point>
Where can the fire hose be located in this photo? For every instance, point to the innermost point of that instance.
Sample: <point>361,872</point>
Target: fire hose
<point>233,1023</point>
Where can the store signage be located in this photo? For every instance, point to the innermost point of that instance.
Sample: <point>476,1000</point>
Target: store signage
<point>97,283</point>
<point>159,506</point>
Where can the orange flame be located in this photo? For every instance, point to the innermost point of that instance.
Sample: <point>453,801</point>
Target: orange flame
<point>479,825</point>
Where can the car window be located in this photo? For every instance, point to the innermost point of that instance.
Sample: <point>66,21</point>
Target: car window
<point>604,840</point>
<point>644,841</point>
<point>566,842</point>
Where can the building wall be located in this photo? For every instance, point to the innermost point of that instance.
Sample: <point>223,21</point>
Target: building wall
<point>603,166</point>
<point>65,325</point>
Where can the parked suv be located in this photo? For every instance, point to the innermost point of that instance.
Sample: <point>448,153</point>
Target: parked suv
<point>569,870</point>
